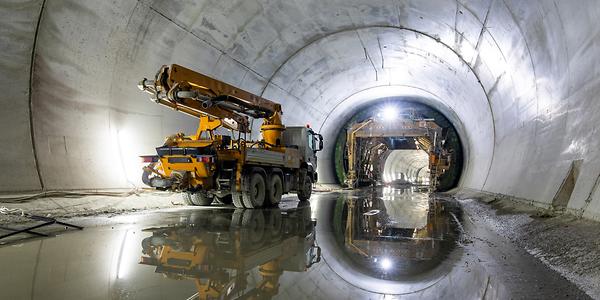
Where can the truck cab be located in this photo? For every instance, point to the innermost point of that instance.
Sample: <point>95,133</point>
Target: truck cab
<point>308,144</point>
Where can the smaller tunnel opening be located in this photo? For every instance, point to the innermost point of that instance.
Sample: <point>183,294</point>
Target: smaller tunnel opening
<point>406,167</point>
<point>398,141</point>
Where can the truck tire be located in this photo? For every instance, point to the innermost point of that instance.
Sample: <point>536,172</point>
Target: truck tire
<point>305,190</point>
<point>275,190</point>
<point>273,223</point>
<point>236,218</point>
<point>252,229</point>
<point>255,194</point>
<point>237,200</point>
<point>197,199</point>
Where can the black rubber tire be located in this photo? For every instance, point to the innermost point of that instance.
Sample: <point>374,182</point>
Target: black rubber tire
<point>273,223</point>
<point>305,190</point>
<point>237,200</point>
<point>255,196</point>
<point>275,190</point>
<point>253,228</point>
<point>236,218</point>
<point>196,218</point>
<point>306,222</point>
<point>197,199</point>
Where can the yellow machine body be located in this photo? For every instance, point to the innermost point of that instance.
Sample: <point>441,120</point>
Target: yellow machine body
<point>212,164</point>
<point>218,256</point>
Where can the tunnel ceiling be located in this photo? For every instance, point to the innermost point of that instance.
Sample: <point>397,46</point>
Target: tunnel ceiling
<point>509,74</point>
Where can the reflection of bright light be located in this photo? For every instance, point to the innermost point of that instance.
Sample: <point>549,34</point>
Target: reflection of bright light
<point>127,254</point>
<point>389,113</point>
<point>385,263</point>
<point>314,211</point>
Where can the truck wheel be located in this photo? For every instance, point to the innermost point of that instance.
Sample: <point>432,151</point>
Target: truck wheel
<point>275,190</point>
<point>306,189</point>
<point>236,218</point>
<point>273,223</point>
<point>237,200</point>
<point>252,228</point>
<point>254,197</point>
<point>197,199</point>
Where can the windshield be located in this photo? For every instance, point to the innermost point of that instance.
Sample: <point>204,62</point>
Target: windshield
<point>311,141</point>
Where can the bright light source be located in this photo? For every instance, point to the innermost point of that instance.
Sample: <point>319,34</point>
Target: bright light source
<point>385,263</point>
<point>128,148</point>
<point>389,113</point>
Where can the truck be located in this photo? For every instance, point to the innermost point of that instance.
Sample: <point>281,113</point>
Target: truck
<point>220,162</point>
<point>222,250</point>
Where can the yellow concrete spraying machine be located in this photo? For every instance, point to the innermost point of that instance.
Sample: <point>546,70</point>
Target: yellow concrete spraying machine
<point>218,161</point>
<point>223,251</point>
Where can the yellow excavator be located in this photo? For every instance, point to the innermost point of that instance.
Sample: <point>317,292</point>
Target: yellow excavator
<point>220,162</point>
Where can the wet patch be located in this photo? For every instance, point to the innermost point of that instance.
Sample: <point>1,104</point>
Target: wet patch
<point>395,234</point>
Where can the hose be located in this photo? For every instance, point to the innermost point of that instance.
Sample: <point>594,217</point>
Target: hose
<point>11,211</point>
<point>77,194</point>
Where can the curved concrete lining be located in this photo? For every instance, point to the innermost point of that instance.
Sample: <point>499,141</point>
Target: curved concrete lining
<point>346,108</point>
<point>412,164</point>
<point>522,77</point>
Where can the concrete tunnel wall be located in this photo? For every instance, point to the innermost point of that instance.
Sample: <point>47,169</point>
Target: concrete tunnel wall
<point>413,164</point>
<point>519,79</point>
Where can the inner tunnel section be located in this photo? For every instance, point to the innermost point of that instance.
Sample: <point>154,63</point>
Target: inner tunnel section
<point>399,141</point>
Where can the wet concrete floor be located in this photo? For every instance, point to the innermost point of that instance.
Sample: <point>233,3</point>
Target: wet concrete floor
<point>364,244</point>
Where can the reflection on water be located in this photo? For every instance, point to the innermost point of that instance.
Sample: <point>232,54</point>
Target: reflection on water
<point>374,242</point>
<point>395,233</point>
<point>217,248</point>
<point>386,234</point>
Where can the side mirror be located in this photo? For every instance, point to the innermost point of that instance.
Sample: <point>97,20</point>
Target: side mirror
<point>320,137</point>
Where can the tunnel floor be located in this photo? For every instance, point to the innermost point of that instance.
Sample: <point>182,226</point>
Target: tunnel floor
<point>364,244</point>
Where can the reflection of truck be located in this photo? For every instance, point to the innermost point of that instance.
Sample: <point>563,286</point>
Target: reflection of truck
<point>218,249</point>
<point>229,167</point>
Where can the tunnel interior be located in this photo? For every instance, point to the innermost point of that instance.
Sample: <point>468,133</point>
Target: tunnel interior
<point>407,166</point>
<point>500,71</point>
<point>403,252</point>
<point>512,85</point>
<point>402,158</point>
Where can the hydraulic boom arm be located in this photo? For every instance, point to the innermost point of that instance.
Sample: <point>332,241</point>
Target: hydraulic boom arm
<point>199,95</point>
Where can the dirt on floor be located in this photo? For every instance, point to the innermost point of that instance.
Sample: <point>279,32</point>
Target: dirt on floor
<point>568,244</point>
<point>565,243</point>
<point>14,209</point>
<point>84,204</point>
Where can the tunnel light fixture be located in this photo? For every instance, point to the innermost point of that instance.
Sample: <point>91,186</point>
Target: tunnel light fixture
<point>389,113</point>
<point>385,263</point>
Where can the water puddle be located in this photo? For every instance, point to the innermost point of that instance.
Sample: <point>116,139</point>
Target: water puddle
<point>234,253</point>
<point>358,245</point>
